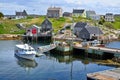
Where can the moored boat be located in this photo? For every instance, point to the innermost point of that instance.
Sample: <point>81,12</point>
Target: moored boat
<point>46,48</point>
<point>25,51</point>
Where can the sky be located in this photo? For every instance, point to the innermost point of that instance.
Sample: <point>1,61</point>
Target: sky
<point>40,6</point>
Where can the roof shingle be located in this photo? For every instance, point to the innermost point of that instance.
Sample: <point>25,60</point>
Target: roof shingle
<point>94,30</point>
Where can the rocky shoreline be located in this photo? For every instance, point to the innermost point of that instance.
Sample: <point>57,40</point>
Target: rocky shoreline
<point>10,36</point>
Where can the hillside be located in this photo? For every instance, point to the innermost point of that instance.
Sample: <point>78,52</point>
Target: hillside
<point>8,26</point>
<point>117,23</point>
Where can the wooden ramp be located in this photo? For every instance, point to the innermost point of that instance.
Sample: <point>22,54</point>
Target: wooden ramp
<point>113,74</point>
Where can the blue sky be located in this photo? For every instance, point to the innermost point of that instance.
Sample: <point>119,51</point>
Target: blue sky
<point>40,6</point>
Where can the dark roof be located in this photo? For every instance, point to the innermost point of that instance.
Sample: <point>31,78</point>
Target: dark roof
<point>80,24</point>
<point>117,14</point>
<point>109,14</point>
<point>46,22</point>
<point>24,13</point>
<point>94,30</point>
<point>67,14</point>
<point>78,10</point>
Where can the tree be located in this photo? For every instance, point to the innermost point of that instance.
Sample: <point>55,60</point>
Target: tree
<point>101,21</point>
<point>1,14</point>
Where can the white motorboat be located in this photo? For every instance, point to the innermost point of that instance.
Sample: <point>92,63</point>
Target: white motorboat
<point>25,51</point>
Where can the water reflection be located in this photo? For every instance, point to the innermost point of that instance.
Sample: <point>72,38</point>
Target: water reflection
<point>27,64</point>
<point>68,59</point>
<point>77,64</point>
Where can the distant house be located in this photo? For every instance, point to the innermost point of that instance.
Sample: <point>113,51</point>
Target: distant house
<point>95,17</point>
<point>54,12</point>
<point>117,15</point>
<point>67,14</point>
<point>78,27</point>
<point>109,17</point>
<point>20,15</point>
<point>79,12</point>
<point>92,15</point>
<point>90,33</point>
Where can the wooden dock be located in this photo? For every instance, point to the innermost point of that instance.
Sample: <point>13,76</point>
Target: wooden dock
<point>113,74</point>
<point>99,50</point>
<point>110,50</point>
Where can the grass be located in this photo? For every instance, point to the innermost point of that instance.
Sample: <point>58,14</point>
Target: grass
<point>116,25</point>
<point>58,23</point>
<point>8,26</point>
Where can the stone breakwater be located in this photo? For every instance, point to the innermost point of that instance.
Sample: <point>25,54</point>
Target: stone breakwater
<point>10,36</point>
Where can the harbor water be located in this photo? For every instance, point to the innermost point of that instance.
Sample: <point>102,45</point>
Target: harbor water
<point>50,66</point>
<point>115,44</point>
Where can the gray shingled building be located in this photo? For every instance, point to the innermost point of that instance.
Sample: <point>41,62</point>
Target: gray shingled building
<point>84,31</point>
<point>90,33</point>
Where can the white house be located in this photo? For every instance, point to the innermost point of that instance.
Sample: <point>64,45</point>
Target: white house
<point>79,12</point>
<point>109,17</point>
<point>20,15</point>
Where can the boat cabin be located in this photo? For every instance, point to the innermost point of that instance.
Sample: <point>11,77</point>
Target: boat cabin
<point>24,49</point>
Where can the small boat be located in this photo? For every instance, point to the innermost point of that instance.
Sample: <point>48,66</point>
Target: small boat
<point>25,51</point>
<point>63,47</point>
<point>46,48</point>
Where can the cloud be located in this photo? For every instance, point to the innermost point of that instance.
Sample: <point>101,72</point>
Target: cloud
<point>40,6</point>
<point>11,8</point>
<point>95,2</point>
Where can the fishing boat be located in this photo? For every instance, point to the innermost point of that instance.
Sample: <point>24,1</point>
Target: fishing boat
<point>25,51</point>
<point>63,47</point>
<point>46,48</point>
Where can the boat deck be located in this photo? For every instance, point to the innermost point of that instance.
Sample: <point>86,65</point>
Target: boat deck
<point>113,74</point>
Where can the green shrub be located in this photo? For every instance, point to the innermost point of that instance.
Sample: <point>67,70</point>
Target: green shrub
<point>108,25</point>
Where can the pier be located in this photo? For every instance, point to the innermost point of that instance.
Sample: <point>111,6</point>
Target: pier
<point>102,51</point>
<point>113,74</point>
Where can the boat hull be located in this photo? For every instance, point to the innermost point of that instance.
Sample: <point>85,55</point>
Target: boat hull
<point>26,56</point>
